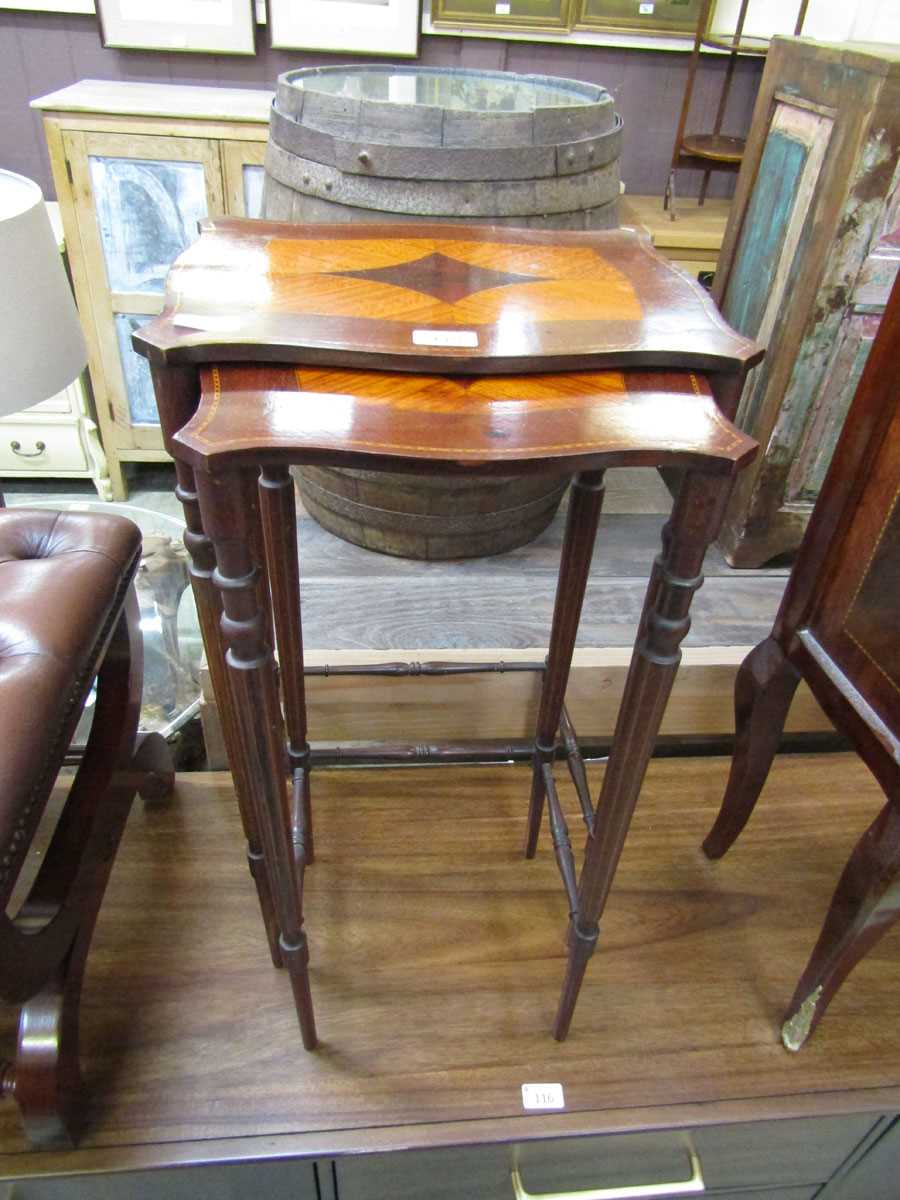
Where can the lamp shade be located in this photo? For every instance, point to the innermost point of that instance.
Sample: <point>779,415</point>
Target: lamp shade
<point>41,344</point>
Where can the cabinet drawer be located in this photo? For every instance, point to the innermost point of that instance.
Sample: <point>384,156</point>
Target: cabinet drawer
<point>62,449</point>
<point>765,1154</point>
<point>234,1181</point>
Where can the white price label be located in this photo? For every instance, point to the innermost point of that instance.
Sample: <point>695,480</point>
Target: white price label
<point>543,1095</point>
<point>208,322</point>
<point>646,10</point>
<point>467,338</point>
<point>502,10</point>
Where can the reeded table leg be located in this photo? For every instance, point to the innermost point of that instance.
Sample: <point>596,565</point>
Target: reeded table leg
<point>664,623</point>
<point>763,691</point>
<point>585,503</point>
<point>177,395</point>
<point>864,906</point>
<point>278,515</point>
<point>257,714</point>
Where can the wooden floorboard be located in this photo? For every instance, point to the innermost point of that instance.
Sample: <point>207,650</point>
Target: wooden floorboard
<point>354,599</point>
<point>437,953</point>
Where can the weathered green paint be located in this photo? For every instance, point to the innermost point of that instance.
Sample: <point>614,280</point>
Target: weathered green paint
<point>765,226</point>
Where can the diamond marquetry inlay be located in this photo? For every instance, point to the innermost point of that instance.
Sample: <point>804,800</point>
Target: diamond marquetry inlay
<point>442,277</point>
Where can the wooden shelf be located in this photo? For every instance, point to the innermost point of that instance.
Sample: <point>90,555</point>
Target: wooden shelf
<point>436,956</point>
<point>741,45</point>
<point>716,147</point>
<point>715,151</point>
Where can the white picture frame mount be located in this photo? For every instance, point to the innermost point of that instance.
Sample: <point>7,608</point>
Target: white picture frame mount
<point>346,26</point>
<point>191,26</point>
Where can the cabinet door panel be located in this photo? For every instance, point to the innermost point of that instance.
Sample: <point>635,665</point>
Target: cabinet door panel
<point>252,177</point>
<point>138,199</point>
<point>147,213</point>
<point>855,617</point>
<point>135,371</point>
<point>243,170</point>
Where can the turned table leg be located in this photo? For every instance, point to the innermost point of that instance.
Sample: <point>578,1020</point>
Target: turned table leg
<point>278,515</point>
<point>665,621</point>
<point>585,503</point>
<point>177,395</point>
<point>257,715</point>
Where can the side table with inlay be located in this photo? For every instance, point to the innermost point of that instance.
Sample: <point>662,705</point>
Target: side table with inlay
<point>454,351</point>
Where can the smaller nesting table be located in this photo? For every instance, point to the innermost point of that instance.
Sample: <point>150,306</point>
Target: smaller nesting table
<point>443,350</point>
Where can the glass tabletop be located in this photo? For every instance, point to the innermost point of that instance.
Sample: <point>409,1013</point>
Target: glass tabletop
<point>473,91</point>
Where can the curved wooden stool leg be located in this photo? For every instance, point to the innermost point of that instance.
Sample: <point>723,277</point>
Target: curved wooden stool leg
<point>763,692</point>
<point>664,623</point>
<point>585,503</point>
<point>46,1078</point>
<point>865,904</point>
<point>257,713</point>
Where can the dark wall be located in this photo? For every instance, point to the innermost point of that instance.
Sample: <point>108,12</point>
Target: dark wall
<point>40,52</point>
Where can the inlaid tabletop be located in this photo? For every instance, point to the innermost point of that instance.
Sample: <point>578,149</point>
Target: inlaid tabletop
<point>471,300</point>
<point>269,413</point>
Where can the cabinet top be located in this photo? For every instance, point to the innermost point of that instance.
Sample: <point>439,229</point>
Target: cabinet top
<point>159,100</point>
<point>466,299</point>
<point>875,58</point>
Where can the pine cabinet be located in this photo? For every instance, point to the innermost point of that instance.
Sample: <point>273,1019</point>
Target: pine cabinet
<point>135,167</point>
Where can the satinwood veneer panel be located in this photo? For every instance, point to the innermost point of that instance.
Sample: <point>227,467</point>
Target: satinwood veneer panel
<point>464,423</point>
<point>375,295</point>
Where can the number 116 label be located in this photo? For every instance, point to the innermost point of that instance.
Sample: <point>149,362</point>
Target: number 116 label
<point>543,1095</point>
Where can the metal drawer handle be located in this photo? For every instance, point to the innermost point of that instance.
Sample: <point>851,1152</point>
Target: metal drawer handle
<point>648,1191</point>
<point>39,449</point>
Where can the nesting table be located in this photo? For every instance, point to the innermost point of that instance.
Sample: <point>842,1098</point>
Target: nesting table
<point>433,349</point>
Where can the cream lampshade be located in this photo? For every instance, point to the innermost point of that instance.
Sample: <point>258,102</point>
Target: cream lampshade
<point>41,344</point>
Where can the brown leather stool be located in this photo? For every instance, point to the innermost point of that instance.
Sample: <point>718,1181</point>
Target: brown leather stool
<point>68,614</point>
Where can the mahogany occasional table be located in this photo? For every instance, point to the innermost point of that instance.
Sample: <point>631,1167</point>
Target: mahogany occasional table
<point>438,349</point>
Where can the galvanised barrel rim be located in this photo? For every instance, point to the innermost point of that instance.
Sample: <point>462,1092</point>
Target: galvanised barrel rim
<point>555,92</point>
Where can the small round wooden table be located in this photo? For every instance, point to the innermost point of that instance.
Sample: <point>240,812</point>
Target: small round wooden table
<point>456,351</point>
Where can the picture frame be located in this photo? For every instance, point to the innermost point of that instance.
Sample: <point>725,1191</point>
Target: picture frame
<point>517,16</point>
<point>640,16</point>
<point>58,6</point>
<point>191,26</point>
<point>346,26</point>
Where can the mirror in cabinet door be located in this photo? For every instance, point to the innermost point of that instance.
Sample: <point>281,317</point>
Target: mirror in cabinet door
<point>243,169</point>
<point>138,199</point>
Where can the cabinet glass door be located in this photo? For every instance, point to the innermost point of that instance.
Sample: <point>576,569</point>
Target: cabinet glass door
<point>142,197</point>
<point>242,166</point>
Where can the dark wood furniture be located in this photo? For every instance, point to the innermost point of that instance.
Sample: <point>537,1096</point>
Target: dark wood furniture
<point>715,151</point>
<point>838,629</point>
<point>810,252</point>
<point>68,613</point>
<point>279,313</point>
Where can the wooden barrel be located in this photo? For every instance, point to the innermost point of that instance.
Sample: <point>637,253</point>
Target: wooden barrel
<point>430,517</point>
<point>407,143</point>
<point>388,143</point>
